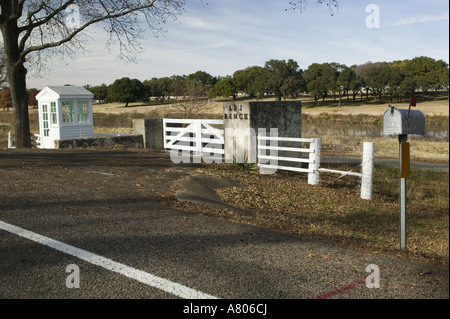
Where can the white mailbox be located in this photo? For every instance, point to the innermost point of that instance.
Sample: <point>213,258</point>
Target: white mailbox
<point>403,122</point>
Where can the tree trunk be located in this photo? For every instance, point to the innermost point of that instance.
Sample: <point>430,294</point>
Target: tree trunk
<point>17,82</point>
<point>19,96</point>
<point>278,96</point>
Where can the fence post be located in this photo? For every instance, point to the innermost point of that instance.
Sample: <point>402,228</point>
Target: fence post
<point>197,130</point>
<point>314,156</point>
<point>10,139</point>
<point>367,171</point>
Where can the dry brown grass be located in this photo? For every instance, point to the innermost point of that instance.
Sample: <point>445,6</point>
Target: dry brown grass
<point>386,147</point>
<point>429,108</point>
<point>115,118</point>
<point>334,210</point>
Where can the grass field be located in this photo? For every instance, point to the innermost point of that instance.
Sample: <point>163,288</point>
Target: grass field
<point>115,118</point>
<point>332,210</point>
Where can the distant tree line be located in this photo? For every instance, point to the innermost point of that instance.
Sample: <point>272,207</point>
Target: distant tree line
<point>126,90</point>
<point>284,79</point>
<point>6,101</point>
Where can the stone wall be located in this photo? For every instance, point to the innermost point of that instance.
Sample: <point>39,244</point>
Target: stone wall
<point>134,141</point>
<point>247,118</point>
<point>152,132</point>
<point>285,116</point>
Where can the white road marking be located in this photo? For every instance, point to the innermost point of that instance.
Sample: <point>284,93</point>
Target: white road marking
<point>139,275</point>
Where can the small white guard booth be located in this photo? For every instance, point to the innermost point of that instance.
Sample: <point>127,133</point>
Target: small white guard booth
<point>65,112</point>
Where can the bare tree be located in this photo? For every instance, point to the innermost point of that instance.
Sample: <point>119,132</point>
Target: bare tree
<point>302,4</point>
<point>5,99</point>
<point>34,30</point>
<point>2,69</point>
<point>193,101</point>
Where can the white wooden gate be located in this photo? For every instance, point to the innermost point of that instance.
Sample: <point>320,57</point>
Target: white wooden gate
<point>35,140</point>
<point>270,162</point>
<point>199,137</point>
<point>313,152</point>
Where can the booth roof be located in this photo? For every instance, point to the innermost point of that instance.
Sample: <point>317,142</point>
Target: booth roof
<point>70,90</point>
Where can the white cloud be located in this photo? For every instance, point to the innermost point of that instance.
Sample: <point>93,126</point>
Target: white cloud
<point>420,19</point>
<point>200,23</point>
<point>228,35</point>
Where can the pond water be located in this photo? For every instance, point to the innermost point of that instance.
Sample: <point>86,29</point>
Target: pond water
<point>436,132</point>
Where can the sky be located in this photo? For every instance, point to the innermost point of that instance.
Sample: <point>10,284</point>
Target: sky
<point>229,35</point>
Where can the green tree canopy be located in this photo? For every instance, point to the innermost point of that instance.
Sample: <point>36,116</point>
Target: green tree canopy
<point>224,88</point>
<point>251,80</point>
<point>127,90</point>
<point>100,92</point>
<point>378,78</point>
<point>347,80</point>
<point>425,71</point>
<point>203,78</point>
<point>161,88</point>
<point>320,78</point>
<point>283,78</point>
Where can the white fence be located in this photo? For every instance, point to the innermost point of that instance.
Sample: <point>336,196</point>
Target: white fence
<point>35,140</point>
<point>313,160</point>
<point>367,171</point>
<point>196,136</point>
<point>200,139</point>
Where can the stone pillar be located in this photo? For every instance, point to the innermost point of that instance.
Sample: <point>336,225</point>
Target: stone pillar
<point>152,132</point>
<point>242,120</point>
<point>236,120</point>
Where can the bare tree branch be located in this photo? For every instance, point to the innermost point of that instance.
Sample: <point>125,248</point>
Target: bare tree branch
<point>45,26</point>
<point>34,30</point>
<point>302,4</point>
<point>3,79</point>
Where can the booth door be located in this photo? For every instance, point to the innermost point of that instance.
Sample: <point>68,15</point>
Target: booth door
<point>46,141</point>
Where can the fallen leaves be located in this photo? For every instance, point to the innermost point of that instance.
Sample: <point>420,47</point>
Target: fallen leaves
<point>333,210</point>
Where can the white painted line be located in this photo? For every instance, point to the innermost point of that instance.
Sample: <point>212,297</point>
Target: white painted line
<point>139,275</point>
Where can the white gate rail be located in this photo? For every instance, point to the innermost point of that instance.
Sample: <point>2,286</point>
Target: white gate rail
<point>313,160</point>
<point>200,138</point>
<point>197,136</point>
<point>35,140</point>
<point>367,171</point>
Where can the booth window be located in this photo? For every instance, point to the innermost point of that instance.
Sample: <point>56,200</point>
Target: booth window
<point>53,115</point>
<point>45,120</point>
<point>67,112</point>
<point>83,113</point>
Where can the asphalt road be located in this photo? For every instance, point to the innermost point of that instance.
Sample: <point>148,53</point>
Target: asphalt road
<point>213,257</point>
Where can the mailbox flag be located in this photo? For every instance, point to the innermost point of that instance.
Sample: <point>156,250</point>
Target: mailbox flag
<point>411,103</point>
<point>404,160</point>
